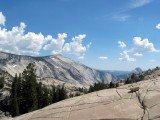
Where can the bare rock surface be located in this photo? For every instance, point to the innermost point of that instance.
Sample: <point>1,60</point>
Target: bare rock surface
<point>111,104</point>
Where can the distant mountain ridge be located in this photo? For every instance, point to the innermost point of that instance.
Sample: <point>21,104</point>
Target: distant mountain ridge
<point>55,67</point>
<point>59,68</point>
<point>122,75</point>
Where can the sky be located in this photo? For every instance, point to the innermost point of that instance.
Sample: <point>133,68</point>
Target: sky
<point>102,34</point>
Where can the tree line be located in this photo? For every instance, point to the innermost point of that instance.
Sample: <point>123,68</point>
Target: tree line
<point>101,85</point>
<point>28,95</point>
<point>134,78</point>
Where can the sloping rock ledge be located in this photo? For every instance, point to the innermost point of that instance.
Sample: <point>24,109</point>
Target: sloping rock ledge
<point>110,104</point>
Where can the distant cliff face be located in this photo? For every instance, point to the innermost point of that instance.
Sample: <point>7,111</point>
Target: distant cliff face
<point>55,67</point>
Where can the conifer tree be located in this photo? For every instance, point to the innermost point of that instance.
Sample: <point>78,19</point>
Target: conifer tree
<point>14,103</point>
<point>111,85</point>
<point>1,82</point>
<point>40,95</point>
<point>63,93</point>
<point>45,98</point>
<point>30,101</point>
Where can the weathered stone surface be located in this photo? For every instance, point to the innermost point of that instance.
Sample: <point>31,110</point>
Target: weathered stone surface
<point>110,104</point>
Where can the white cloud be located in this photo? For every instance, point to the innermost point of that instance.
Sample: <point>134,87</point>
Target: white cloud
<point>81,57</point>
<point>121,44</point>
<point>143,45</point>
<point>2,19</point>
<point>140,46</point>
<point>76,47</point>
<point>139,3</point>
<point>55,52</point>
<point>121,18</point>
<point>56,44</point>
<point>126,57</point>
<point>138,54</point>
<point>16,41</point>
<point>158,26</point>
<point>103,58</point>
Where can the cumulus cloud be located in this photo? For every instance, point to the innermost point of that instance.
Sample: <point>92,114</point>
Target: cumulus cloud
<point>126,57</point>
<point>2,19</point>
<point>140,46</point>
<point>103,58</point>
<point>143,45</point>
<point>121,44</point>
<point>16,41</point>
<point>158,26</point>
<point>76,47</point>
<point>138,54</point>
<point>56,44</point>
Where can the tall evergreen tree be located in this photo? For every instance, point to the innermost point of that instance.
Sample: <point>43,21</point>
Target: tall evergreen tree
<point>63,93</point>
<point>53,94</point>
<point>58,93</point>
<point>1,81</point>
<point>112,85</point>
<point>45,98</point>
<point>29,90</point>
<point>14,102</point>
<point>40,95</point>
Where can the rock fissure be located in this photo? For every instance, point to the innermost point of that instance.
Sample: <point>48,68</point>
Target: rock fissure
<point>118,93</point>
<point>144,107</point>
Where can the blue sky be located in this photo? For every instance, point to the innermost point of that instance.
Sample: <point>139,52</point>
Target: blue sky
<point>103,34</point>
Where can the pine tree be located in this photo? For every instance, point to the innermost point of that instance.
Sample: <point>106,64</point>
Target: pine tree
<point>58,93</point>
<point>63,93</point>
<point>1,82</point>
<point>111,85</point>
<point>40,95</point>
<point>29,91</point>
<point>45,101</point>
<point>19,93</point>
<point>14,103</point>
<point>53,94</point>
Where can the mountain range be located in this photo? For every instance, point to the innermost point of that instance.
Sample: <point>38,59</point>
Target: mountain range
<point>58,68</point>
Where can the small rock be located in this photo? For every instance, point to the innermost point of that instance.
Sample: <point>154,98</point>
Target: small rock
<point>134,89</point>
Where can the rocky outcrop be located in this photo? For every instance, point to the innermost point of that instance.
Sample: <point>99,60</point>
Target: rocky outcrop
<point>111,104</point>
